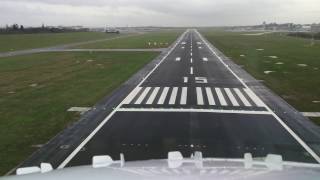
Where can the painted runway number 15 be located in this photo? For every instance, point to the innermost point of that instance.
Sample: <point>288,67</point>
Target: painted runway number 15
<point>198,80</point>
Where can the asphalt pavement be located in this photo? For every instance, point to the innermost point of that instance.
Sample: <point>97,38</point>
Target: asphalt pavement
<point>191,98</point>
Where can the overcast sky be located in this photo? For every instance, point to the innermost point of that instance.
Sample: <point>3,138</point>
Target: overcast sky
<point>157,12</point>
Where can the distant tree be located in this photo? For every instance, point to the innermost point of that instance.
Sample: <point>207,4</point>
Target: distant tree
<point>21,27</point>
<point>15,27</point>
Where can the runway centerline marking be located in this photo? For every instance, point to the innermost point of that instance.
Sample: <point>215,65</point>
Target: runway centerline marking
<point>185,79</point>
<point>191,70</point>
<point>191,60</point>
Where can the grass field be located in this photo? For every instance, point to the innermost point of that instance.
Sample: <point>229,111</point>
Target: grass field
<point>36,91</point>
<point>13,42</point>
<point>294,62</point>
<point>162,38</point>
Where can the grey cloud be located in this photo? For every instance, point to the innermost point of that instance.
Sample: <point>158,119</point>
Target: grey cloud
<point>159,12</point>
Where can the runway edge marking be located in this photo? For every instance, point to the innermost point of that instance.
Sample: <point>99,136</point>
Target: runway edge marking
<point>284,125</point>
<point>87,139</point>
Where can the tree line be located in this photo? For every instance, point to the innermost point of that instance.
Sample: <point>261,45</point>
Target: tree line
<point>20,29</point>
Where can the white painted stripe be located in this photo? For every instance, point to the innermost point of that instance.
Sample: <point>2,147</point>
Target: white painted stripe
<point>311,114</point>
<point>185,79</point>
<point>199,96</point>
<point>191,60</point>
<point>143,95</point>
<point>191,70</point>
<point>131,96</point>
<point>89,137</point>
<point>231,97</point>
<point>184,94</point>
<point>242,97</point>
<point>153,95</point>
<point>163,95</point>
<point>200,47</point>
<point>254,98</point>
<point>284,125</point>
<point>178,58</point>
<point>191,54</point>
<point>205,59</point>
<point>221,97</point>
<point>210,96</point>
<point>191,110</point>
<point>173,95</point>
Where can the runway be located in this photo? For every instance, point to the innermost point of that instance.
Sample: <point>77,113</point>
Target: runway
<point>190,100</point>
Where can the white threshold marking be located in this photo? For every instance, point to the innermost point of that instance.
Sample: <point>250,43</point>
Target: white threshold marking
<point>133,94</point>
<point>284,125</point>
<point>173,95</point>
<point>192,110</point>
<point>210,96</point>
<point>88,138</point>
<point>191,70</point>
<point>254,98</point>
<point>143,95</point>
<point>163,95</point>
<point>231,97</point>
<point>184,94</point>
<point>242,98</point>
<point>153,95</point>
<point>205,59</point>
<point>221,97</point>
<point>199,96</point>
